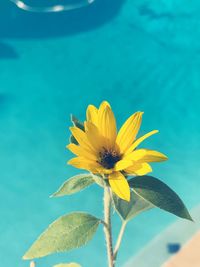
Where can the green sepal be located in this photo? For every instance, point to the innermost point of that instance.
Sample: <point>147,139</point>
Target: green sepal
<point>160,195</point>
<point>78,124</point>
<point>67,232</point>
<point>72,140</point>
<point>129,210</point>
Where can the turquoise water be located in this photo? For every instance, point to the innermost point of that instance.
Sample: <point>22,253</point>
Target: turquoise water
<point>137,55</point>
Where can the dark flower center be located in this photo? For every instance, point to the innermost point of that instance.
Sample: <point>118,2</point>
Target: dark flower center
<point>108,158</point>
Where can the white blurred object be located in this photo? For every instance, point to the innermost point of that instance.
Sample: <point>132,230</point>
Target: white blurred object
<point>32,264</point>
<point>54,8</point>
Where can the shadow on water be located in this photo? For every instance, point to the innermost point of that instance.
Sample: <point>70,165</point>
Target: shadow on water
<point>22,24</point>
<point>8,52</point>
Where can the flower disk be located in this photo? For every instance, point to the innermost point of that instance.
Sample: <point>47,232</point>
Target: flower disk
<point>103,151</point>
<point>108,158</point>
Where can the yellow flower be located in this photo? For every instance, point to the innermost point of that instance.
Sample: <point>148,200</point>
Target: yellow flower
<point>101,150</point>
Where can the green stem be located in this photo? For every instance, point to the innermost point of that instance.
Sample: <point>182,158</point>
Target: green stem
<point>119,240</point>
<point>107,226</point>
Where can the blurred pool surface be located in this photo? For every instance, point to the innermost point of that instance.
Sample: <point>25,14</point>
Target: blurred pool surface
<point>138,55</point>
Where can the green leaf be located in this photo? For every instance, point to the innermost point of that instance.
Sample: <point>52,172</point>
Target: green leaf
<point>129,210</point>
<point>160,195</point>
<point>74,185</point>
<point>67,265</point>
<point>68,232</point>
<point>99,180</point>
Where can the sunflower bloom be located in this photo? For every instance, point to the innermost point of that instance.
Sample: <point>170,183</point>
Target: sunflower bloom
<point>101,150</point>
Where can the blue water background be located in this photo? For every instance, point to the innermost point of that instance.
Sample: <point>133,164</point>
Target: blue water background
<point>136,56</point>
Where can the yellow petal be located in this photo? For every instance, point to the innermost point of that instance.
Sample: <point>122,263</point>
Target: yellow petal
<point>128,131</point>
<point>80,151</point>
<point>79,162</point>
<point>82,139</point>
<point>107,125</point>
<point>119,185</point>
<point>139,169</point>
<point>92,114</point>
<point>94,137</point>
<point>153,156</point>
<point>145,155</point>
<point>136,155</point>
<point>122,164</point>
<point>140,140</point>
<point>103,105</point>
<point>83,163</point>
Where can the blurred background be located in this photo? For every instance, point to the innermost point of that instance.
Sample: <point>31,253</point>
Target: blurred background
<point>139,55</point>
